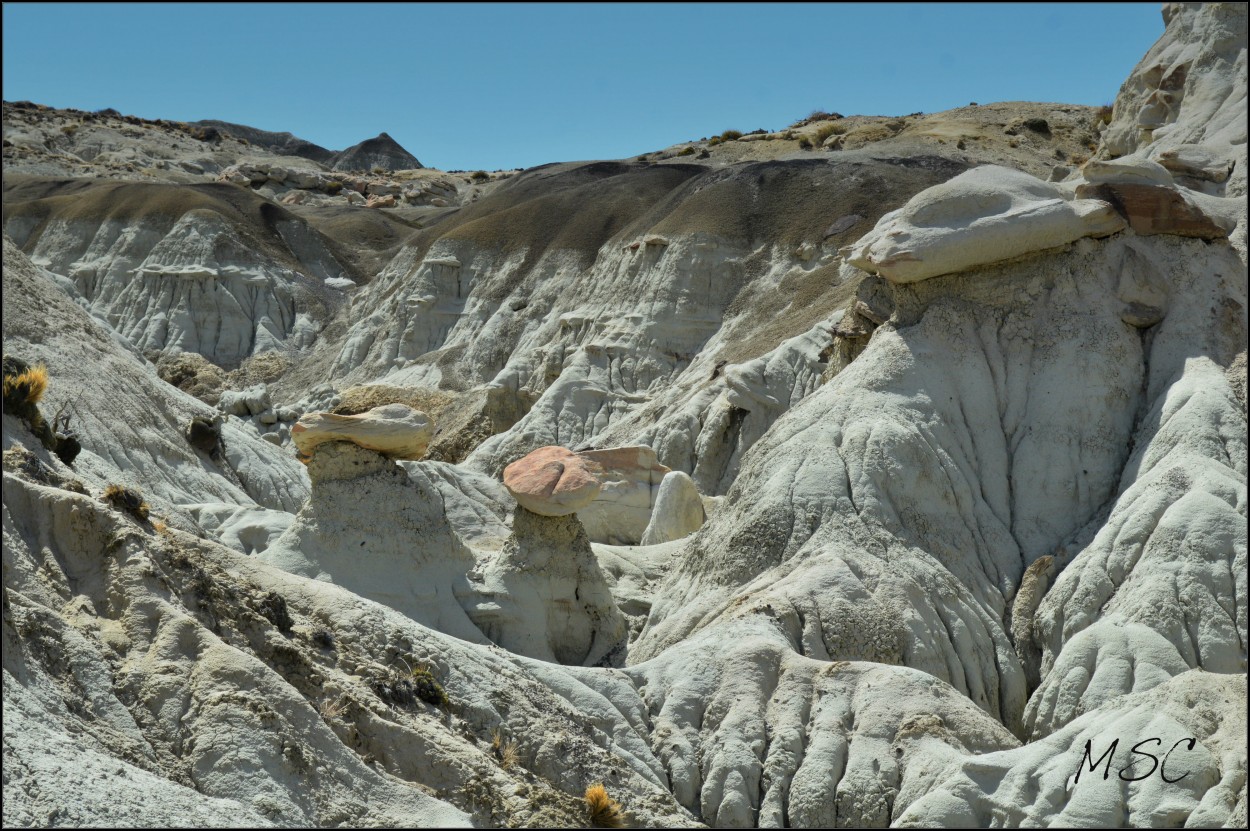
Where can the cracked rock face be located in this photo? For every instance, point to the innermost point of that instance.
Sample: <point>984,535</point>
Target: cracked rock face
<point>545,595</point>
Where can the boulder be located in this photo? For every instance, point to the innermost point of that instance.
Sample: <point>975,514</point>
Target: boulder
<point>1133,170</point>
<point>630,479</point>
<point>383,188</point>
<point>306,179</point>
<point>353,198</point>
<point>1197,162</point>
<point>985,215</point>
<point>552,481</point>
<point>1151,209</point>
<point>393,430</point>
<point>678,510</point>
<point>248,402</point>
<point>295,197</point>
<point>387,201</point>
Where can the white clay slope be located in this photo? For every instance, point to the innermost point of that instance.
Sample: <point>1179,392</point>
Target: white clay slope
<point>930,536</point>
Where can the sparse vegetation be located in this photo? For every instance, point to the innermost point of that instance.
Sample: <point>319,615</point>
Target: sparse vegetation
<point>405,689</point>
<point>273,608</point>
<point>605,812</point>
<point>731,135</point>
<point>332,710</point>
<point>333,186</point>
<point>128,500</point>
<point>323,639</point>
<point>69,129</point>
<point>25,388</point>
<point>824,131</point>
<point>480,176</point>
<point>805,142</point>
<point>378,170</point>
<point>504,749</point>
<point>686,151</point>
<point>1103,115</point>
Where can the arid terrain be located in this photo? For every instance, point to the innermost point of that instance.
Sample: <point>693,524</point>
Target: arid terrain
<point>876,471</point>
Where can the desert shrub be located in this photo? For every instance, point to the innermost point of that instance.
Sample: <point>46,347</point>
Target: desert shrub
<point>427,687</point>
<point>824,131</point>
<point>821,115</point>
<point>69,129</point>
<point>24,386</point>
<point>1104,113</point>
<point>805,143</point>
<point>703,154</point>
<point>378,170</point>
<point>731,135</point>
<point>605,812</point>
<point>323,639</point>
<point>1038,125</point>
<point>504,749</point>
<point>686,151</point>
<point>273,607</point>
<point>128,500</point>
<point>480,176</point>
<point>404,690</point>
<point>713,141</point>
<point>333,186</point>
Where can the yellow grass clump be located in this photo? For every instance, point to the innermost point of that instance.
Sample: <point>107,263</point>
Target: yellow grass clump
<point>27,386</point>
<point>127,500</point>
<point>605,812</point>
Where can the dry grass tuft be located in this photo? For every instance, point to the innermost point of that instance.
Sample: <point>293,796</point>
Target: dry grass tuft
<point>605,812</point>
<point>504,749</point>
<point>28,386</point>
<point>128,500</point>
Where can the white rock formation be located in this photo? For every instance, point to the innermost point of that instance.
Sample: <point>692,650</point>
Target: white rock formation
<point>966,536</point>
<point>395,430</point>
<point>986,215</point>
<point>678,510</point>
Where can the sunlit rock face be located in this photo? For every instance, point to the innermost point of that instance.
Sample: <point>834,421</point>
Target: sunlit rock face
<point>947,532</point>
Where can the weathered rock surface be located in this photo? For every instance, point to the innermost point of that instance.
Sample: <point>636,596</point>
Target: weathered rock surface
<point>545,596</point>
<point>630,479</point>
<point>1154,209</point>
<point>986,215</point>
<point>381,151</point>
<point>395,430</point>
<point>966,536</point>
<point>552,481</point>
<point>678,510</point>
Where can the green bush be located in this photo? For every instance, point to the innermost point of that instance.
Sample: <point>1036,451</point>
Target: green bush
<point>731,135</point>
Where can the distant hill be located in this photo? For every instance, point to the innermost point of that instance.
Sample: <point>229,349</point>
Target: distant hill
<point>382,151</point>
<point>286,144</point>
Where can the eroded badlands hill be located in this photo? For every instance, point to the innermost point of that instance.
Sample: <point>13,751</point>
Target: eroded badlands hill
<point>958,413</point>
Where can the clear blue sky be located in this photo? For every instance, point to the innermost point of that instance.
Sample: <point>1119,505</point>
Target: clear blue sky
<point>466,86</point>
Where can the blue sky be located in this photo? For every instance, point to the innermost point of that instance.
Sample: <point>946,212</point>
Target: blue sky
<point>468,86</point>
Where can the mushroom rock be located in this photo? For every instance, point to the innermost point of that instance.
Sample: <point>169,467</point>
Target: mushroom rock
<point>544,595</point>
<point>1152,209</point>
<point>394,430</point>
<point>1130,169</point>
<point>985,215</point>
<point>552,481</point>
<point>630,478</point>
<point>1197,162</point>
